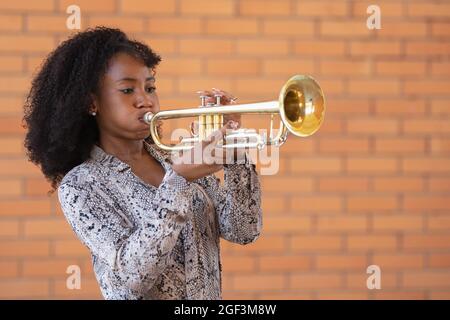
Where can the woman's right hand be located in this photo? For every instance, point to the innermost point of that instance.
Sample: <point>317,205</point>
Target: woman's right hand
<point>186,164</point>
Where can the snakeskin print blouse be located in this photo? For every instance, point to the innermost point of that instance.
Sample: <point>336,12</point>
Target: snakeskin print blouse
<point>150,242</point>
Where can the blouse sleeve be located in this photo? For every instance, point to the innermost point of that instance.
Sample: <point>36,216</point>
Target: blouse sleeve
<point>237,202</point>
<point>134,259</point>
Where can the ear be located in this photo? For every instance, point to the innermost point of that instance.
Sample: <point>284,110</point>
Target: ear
<point>95,103</point>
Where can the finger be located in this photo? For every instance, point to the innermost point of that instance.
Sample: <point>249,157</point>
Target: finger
<point>224,95</point>
<point>205,93</point>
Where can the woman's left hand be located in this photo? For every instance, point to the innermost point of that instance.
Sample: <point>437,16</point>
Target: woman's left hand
<point>225,99</point>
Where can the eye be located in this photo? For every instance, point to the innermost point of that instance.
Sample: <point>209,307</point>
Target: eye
<point>150,89</point>
<point>127,90</point>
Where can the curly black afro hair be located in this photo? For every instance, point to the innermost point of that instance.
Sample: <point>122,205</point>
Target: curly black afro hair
<point>60,130</point>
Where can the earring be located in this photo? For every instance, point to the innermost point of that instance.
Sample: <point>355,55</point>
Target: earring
<point>94,113</point>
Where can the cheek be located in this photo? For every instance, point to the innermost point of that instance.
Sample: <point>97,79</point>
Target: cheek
<point>155,101</point>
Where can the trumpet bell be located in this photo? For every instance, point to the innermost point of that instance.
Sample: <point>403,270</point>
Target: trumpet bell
<point>302,105</point>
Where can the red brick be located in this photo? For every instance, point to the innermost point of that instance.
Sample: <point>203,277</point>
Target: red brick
<point>402,106</point>
<point>406,68</point>
<point>174,26</point>
<point>24,248</point>
<point>421,165</point>
<point>286,224</point>
<point>399,261</point>
<point>344,145</point>
<point>264,48</point>
<point>388,9</point>
<point>340,262</point>
<point>259,282</point>
<point>346,68</point>
<point>9,269</point>
<point>323,9</point>
<point>371,165</point>
<point>343,184</point>
<point>286,185</point>
<point>371,203</point>
<point>403,29</point>
<point>233,66</point>
<point>48,228</point>
<point>439,260</point>
<point>182,66</point>
<point>440,29</point>
<point>26,43</point>
<point>426,242</point>
<point>315,203</point>
<point>426,202</point>
<point>375,48</point>
<point>208,47</point>
<point>398,184</point>
<point>47,268</point>
<point>373,126</point>
<point>440,145</point>
<point>438,223</point>
<point>24,289</point>
<point>11,22</point>
<point>129,25</point>
<point>25,208</point>
<point>276,263</point>
<point>147,7</point>
<point>357,280</point>
<point>439,184</point>
<point>372,242</point>
<point>342,224</point>
<point>292,27</point>
<point>235,26</point>
<point>427,48</point>
<point>427,87</point>
<point>440,68</point>
<point>286,66</point>
<point>427,279</point>
<point>316,165</point>
<point>316,281</point>
<point>207,8</point>
<point>19,6</point>
<point>400,146</point>
<point>266,244</point>
<point>269,8</point>
<point>238,264</point>
<point>319,48</point>
<point>313,243</point>
<point>10,187</point>
<point>345,28</point>
<point>104,6</point>
<point>374,87</point>
<point>347,107</point>
<point>424,9</point>
<point>397,223</point>
<point>426,126</point>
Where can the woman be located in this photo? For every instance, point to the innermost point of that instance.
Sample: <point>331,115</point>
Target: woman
<point>152,225</point>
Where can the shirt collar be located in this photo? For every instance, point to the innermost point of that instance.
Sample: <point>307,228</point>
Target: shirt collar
<point>99,155</point>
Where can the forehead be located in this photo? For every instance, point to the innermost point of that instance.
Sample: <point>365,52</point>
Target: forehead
<point>123,65</point>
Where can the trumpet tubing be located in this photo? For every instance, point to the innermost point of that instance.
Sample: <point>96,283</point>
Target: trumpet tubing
<point>301,106</point>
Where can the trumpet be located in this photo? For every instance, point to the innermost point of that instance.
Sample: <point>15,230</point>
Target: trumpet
<point>300,105</point>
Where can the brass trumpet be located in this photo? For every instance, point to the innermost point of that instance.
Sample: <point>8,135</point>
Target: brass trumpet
<point>301,106</point>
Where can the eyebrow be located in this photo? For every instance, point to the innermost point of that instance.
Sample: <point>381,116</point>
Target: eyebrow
<point>133,79</point>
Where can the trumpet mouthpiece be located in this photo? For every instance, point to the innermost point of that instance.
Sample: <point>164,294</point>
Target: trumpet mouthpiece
<point>147,117</point>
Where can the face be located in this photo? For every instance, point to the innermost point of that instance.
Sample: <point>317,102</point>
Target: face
<point>127,92</point>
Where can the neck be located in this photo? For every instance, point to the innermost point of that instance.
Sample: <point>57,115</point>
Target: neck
<point>126,150</point>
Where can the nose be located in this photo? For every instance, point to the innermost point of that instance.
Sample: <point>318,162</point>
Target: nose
<point>143,100</point>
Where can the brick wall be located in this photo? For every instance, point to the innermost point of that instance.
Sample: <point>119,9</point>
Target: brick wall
<point>371,187</point>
